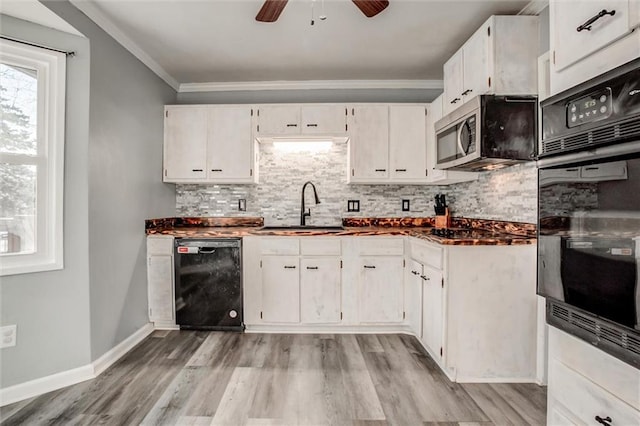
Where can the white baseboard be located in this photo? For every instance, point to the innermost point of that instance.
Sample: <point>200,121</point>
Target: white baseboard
<point>329,329</point>
<point>114,354</point>
<point>462,379</point>
<point>45,384</point>
<point>63,379</point>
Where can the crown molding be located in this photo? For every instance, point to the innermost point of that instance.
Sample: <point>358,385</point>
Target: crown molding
<point>534,7</point>
<point>96,15</point>
<point>310,85</point>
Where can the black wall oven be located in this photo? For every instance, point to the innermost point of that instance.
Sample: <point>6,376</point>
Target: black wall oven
<point>589,212</point>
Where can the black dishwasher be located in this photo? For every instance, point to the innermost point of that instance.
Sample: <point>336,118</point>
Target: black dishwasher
<point>209,284</point>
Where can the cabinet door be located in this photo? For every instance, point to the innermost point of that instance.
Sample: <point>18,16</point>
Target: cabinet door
<point>413,297</point>
<point>320,290</point>
<point>408,143</point>
<point>230,143</point>
<point>185,144</point>
<point>369,143</point>
<point>381,297</point>
<point>160,282</point>
<point>475,74</point>
<point>571,45</point>
<point>453,83</point>
<point>432,310</point>
<point>280,289</point>
<point>324,119</point>
<point>279,120</point>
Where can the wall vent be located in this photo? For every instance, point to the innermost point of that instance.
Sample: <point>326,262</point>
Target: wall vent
<point>611,338</point>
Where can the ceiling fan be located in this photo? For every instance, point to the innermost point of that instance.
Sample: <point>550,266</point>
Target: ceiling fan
<point>271,9</point>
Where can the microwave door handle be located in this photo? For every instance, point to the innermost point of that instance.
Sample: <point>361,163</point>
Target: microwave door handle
<point>459,136</point>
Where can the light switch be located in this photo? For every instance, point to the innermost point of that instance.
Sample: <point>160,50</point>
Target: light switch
<point>242,205</point>
<point>405,205</point>
<point>353,205</point>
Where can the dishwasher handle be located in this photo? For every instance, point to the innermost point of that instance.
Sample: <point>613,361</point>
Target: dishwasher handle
<point>206,250</point>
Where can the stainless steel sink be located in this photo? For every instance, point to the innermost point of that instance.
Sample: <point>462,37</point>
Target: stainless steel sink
<point>302,228</point>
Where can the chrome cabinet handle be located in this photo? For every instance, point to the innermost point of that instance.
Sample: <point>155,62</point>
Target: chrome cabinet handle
<point>587,25</point>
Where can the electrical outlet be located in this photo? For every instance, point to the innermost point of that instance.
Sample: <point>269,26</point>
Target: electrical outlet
<point>405,205</point>
<point>353,205</point>
<point>242,205</point>
<point>8,336</point>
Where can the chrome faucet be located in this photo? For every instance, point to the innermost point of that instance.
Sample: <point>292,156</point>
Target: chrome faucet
<point>303,213</point>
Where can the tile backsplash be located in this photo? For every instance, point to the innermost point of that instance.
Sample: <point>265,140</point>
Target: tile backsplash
<point>509,194</point>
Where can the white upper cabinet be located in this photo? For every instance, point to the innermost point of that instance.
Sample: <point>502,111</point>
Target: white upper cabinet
<point>229,156</point>
<point>368,143</point>
<point>387,143</point>
<point>577,56</point>
<point>324,119</point>
<point>499,58</point>
<point>407,142</point>
<point>209,144</point>
<point>575,39</point>
<point>185,144</point>
<point>278,120</point>
<point>295,119</point>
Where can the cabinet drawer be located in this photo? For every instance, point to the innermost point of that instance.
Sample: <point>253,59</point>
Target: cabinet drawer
<point>314,246</point>
<point>284,245</point>
<point>160,245</point>
<point>585,400</point>
<point>377,246</point>
<point>426,254</point>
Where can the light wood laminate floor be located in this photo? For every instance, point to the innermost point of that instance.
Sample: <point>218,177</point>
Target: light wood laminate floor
<point>210,378</point>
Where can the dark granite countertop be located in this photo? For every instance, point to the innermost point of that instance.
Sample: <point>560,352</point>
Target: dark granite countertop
<point>465,231</point>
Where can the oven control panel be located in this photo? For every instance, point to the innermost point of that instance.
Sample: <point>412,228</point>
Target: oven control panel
<point>593,107</point>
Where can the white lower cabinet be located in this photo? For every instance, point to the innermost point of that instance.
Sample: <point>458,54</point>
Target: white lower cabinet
<point>160,278</point>
<point>585,383</point>
<point>432,310</point>
<point>413,297</point>
<point>280,289</point>
<point>380,296</point>
<point>320,290</point>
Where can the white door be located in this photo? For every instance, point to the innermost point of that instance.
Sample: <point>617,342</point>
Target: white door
<point>413,297</point>
<point>572,45</point>
<point>475,74</point>
<point>320,290</point>
<point>324,119</point>
<point>381,289</point>
<point>432,310</point>
<point>160,282</point>
<point>278,120</point>
<point>408,143</point>
<point>453,83</point>
<point>369,143</point>
<point>185,144</point>
<point>280,289</point>
<point>229,154</point>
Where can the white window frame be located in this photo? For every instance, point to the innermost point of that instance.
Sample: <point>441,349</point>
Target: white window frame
<point>51,68</point>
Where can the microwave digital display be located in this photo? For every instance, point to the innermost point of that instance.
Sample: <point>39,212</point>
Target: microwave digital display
<point>593,107</point>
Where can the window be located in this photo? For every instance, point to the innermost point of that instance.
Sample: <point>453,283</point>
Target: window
<point>32,100</point>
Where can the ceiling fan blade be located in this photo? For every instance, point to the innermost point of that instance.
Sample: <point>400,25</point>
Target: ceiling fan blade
<point>371,7</point>
<point>271,10</point>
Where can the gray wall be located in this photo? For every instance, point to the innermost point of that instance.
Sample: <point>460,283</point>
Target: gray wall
<point>51,309</point>
<point>508,194</point>
<point>125,180</point>
<point>310,96</point>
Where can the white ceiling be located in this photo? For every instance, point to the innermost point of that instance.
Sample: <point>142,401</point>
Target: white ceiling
<point>34,11</point>
<point>217,41</point>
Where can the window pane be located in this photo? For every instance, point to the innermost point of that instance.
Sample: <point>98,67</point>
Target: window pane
<point>17,208</point>
<point>18,110</point>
